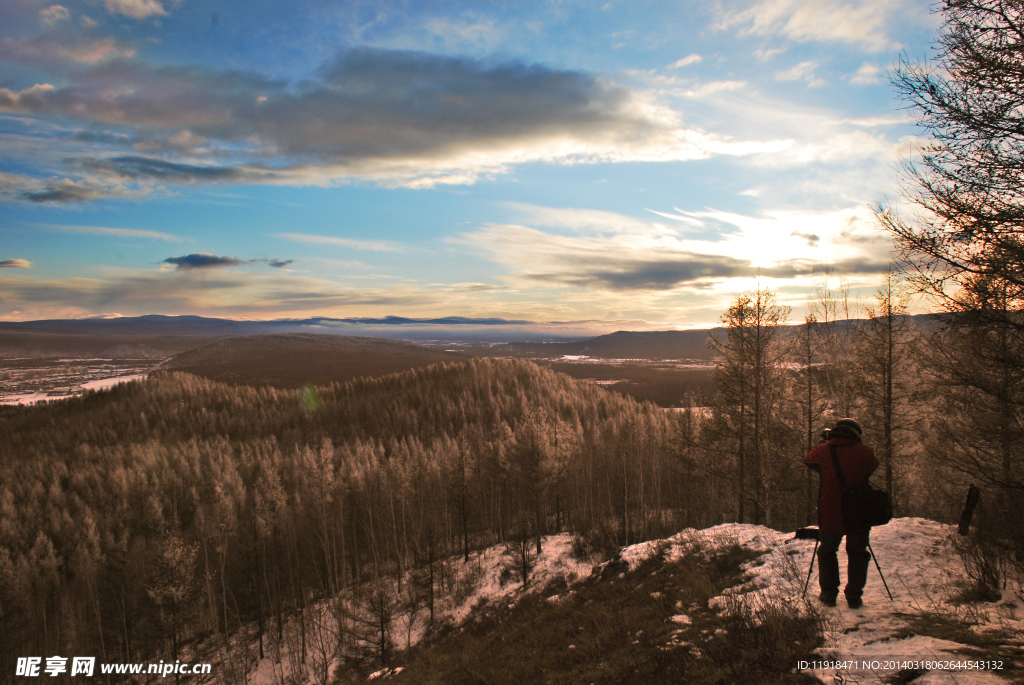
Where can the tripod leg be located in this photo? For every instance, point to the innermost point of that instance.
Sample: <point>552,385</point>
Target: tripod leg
<point>880,572</point>
<point>811,568</point>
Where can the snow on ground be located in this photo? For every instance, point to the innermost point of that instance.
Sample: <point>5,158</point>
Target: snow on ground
<point>914,554</point>
<point>27,398</point>
<point>481,581</point>
<point>555,561</point>
<point>919,566</point>
<point>97,384</point>
<point>105,383</point>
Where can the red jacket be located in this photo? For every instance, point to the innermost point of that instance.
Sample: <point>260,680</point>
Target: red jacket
<point>858,462</point>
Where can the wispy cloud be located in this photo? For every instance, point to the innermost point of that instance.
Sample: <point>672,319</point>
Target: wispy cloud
<point>679,216</point>
<point>767,54</point>
<point>56,49</point>
<point>351,243</point>
<point>804,71</point>
<point>54,14</point>
<point>66,190</point>
<point>136,9</point>
<point>868,74</point>
<point>15,264</point>
<point>131,167</point>
<point>107,230</point>
<point>865,23</point>
<point>693,58</point>
<point>211,292</point>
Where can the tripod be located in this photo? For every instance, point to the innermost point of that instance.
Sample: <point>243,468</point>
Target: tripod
<point>812,533</point>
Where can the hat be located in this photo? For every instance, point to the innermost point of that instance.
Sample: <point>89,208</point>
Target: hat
<point>850,424</point>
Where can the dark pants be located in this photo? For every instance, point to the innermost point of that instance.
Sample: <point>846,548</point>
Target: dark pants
<point>856,570</point>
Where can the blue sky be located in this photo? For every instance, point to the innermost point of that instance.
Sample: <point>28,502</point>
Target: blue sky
<point>627,165</point>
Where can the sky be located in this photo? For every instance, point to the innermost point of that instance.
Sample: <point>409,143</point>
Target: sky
<point>608,164</point>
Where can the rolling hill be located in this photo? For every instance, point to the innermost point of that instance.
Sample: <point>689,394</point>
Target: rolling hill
<point>291,360</point>
<point>690,345</point>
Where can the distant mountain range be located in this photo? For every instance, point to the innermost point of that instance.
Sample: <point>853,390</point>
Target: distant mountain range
<point>192,325</point>
<point>158,336</point>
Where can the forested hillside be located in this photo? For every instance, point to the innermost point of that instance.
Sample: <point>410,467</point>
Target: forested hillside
<point>291,360</point>
<point>134,520</point>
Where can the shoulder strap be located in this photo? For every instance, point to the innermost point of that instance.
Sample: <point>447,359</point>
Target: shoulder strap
<point>839,469</point>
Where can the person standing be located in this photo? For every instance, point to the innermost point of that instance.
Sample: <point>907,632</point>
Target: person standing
<point>858,462</point>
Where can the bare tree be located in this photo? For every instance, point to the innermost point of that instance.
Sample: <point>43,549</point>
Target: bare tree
<point>807,397</point>
<point>888,378</point>
<point>750,379</point>
<point>834,311</point>
<point>967,189</point>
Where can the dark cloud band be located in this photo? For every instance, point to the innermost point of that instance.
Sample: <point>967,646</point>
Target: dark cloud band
<point>157,169</point>
<point>609,273</point>
<point>369,111</point>
<point>204,260</point>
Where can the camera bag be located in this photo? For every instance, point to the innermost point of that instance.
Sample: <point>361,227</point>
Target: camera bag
<point>863,507</point>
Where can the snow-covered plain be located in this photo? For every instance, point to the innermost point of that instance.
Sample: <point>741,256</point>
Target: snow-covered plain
<point>915,555</point>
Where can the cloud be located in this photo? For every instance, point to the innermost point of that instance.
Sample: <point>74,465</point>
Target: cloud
<point>693,58</point>
<point>767,54</point>
<point>186,141</point>
<point>14,182</point>
<point>476,33</point>
<point>393,117</point>
<point>620,262</point>
<point>202,260</point>
<point>633,255</point>
<point>713,87</point>
<point>65,190</point>
<point>868,74</point>
<point>864,23</point>
<point>676,217</point>
<point>136,9</point>
<point>802,72</point>
<point>116,232</point>
<point>352,243</point>
<point>634,274</point>
<point>132,167</point>
<point>812,238</point>
<point>54,14</point>
<point>26,101</point>
<point>15,264</point>
<point>578,219</point>
<point>212,292</point>
<point>56,49</point>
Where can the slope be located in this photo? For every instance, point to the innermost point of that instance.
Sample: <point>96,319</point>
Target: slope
<point>292,360</point>
<point>724,604</point>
